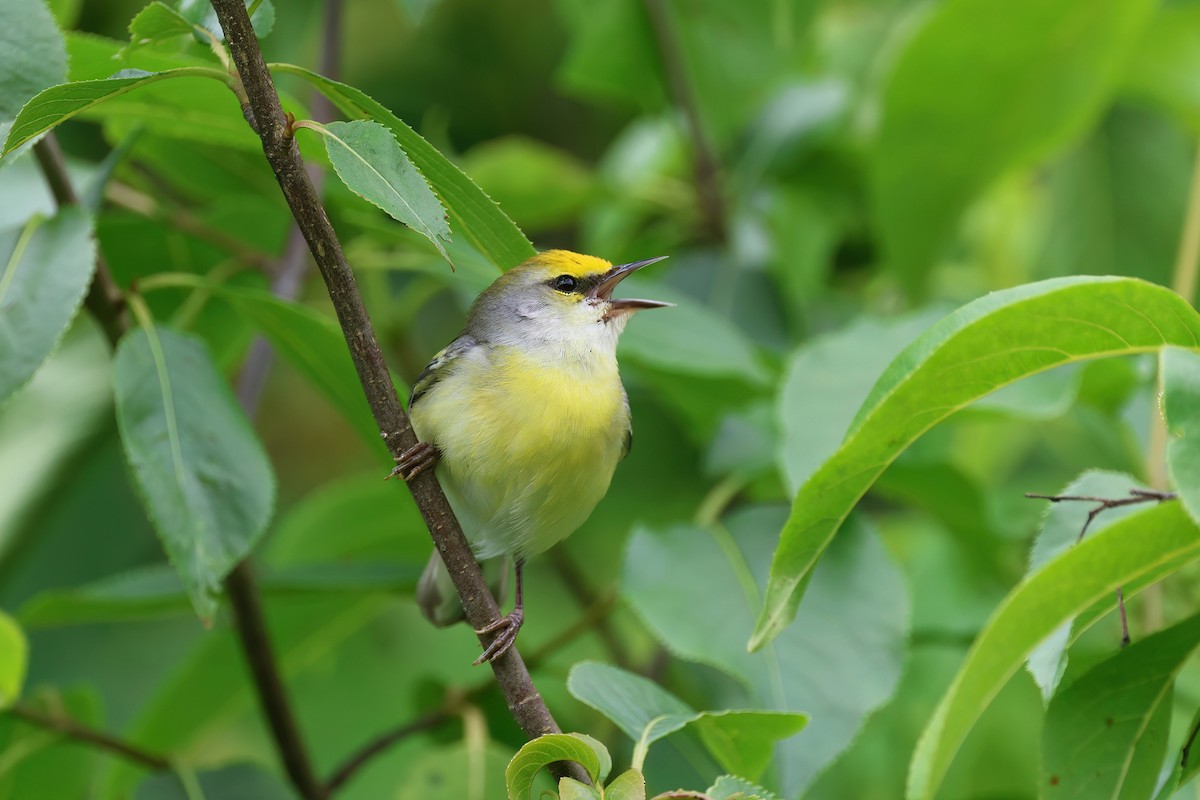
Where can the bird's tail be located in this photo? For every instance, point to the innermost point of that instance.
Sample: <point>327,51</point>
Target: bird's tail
<point>436,594</point>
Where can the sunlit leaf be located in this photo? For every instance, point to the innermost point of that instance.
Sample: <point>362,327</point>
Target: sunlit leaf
<point>1181,408</point>
<point>14,659</point>
<point>629,785</point>
<point>202,472</point>
<point>156,22</point>
<point>979,348</point>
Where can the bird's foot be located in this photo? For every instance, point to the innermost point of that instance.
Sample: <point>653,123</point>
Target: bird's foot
<point>413,461</point>
<point>506,629</point>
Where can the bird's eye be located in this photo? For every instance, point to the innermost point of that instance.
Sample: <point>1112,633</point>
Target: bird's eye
<point>565,283</point>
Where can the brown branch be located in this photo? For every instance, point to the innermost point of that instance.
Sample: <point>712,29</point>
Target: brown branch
<point>104,297</point>
<point>60,723</point>
<point>267,118</point>
<point>1136,497</point>
<point>706,165</point>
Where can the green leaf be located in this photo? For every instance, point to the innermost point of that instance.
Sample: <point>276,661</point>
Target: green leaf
<point>744,741</point>
<point>856,618</point>
<point>542,187</point>
<point>1058,533</point>
<point>236,782</point>
<point>1049,66</point>
<point>60,103</point>
<point>571,789</point>
<point>200,12</point>
<point>1180,371</point>
<point>455,772</point>
<point>1166,55</point>
<point>979,348</point>
<point>543,751</point>
<point>1118,556</point>
<point>472,213</point>
<point>38,763</point>
<point>730,787</point>
<point>32,55</point>
<point>629,785</point>
<point>372,164</point>
<point>1106,734</point>
<point>14,659</point>
<point>205,480</point>
<point>47,266</point>
<point>157,22</point>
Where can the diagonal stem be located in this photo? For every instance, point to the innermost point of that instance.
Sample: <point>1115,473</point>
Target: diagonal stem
<point>60,723</point>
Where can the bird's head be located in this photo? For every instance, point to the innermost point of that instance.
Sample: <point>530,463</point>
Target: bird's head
<point>557,297</point>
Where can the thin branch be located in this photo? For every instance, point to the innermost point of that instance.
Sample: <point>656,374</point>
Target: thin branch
<point>522,697</point>
<point>104,297</point>
<point>60,723</point>
<point>352,765</point>
<point>706,165</point>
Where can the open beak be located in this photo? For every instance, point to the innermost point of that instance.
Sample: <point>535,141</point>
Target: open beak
<point>604,289</point>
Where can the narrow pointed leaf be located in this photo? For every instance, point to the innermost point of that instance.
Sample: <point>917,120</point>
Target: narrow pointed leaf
<point>1181,407</point>
<point>202,473</point>
<point>371,162</point>
<point>1106,734</point>
<point>45,268</point>
<point>59,103</point>
<point>1118,556</point>
<point>984,345</point>
<point>472,213</point>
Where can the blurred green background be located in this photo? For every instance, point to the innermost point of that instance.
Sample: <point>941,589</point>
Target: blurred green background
<point>828,179</point>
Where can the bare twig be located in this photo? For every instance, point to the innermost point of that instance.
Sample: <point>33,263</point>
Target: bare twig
<point>104,297</point>
<point>706,165</point>
<point>1136,496</point>
<point>352,765</point>
<point>60,723</point>
<point>523,699</point>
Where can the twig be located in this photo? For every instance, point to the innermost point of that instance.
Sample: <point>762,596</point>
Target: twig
<point>1135,497</point>
<point>577,584</point>
<point>706,165</point>
<point>263,108</point>
<point>68,727</point>
<point>352,765</point>
<point>104,297</point>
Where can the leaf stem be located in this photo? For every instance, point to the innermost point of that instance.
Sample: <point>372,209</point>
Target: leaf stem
<point>60,723</point>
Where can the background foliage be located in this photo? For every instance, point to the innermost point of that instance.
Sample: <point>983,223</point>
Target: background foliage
<point>830,179</point>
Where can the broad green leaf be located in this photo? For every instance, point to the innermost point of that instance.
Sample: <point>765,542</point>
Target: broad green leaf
<point>60,103</point>
<point>571,789</point>
<point>856,617</point>
<point>32,55</point>
<point>45,269</point>
<point>236,782</point>
<point>372,164</point>
<point>1083,575</point>
<point>1186,765</point>
<point>14,659</point>
<point>203,475</point>
<point>472,213</point>
<point>455,772</point>
<point>730,787</point>
<point>602,755</point>
<point>1106,733</point>
<point>827,378</point>
<point>744,741</point>
<point>1166,54</point>
<point>1049,66</point>
<point>984,345</point>
<point>629,785</point>
<point>1180,375</point>
<point>1058,533</point>
<point>157,591</point>
<point>156,22</point>
<point>540,753</point>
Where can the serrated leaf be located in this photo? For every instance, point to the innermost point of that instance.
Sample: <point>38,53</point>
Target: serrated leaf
<point>32,55</point>
<point>203,475</point>
<point>1180,370</point>
<point>629,785</point>
<point>14,659</point>
<point>984,345</point>
<point>1118,556</point>
<point>538,753</point>
<point>1050,66</point>
<point>59,103</point>
<point>369,160</point>
<point>45,268</point>
<point>1106,733</point>
<point>730,787</point>
<point>156,22</point>
<point>472,213</point>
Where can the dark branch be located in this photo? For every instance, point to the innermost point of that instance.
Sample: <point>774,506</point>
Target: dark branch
<point>379,745</point>
<point>104,297</point>
<point>263,107</point>
<point>706,165</point>
<point>68,727</point>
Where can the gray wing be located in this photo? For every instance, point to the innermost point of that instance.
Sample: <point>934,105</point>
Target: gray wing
<point>440,366</point>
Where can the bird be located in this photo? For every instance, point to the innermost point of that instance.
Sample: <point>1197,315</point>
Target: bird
<point>524,418</point>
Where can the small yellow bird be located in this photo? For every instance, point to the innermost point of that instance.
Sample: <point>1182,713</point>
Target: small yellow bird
<point>525,416</point>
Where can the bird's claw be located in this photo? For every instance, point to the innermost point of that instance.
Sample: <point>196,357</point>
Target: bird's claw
<point>413,461</point>
<point>506,629</point>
